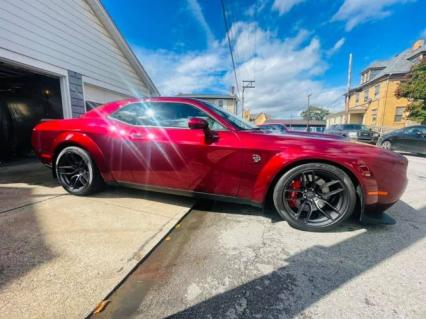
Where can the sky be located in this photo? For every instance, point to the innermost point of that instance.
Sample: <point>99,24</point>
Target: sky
<point>290,48</point>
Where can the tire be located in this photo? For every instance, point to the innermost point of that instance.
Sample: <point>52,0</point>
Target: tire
<point>387,145</point>
<point>315,197</point>
<point>77,172</point>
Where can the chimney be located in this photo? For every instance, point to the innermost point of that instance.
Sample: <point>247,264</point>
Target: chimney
<point>418,44</point>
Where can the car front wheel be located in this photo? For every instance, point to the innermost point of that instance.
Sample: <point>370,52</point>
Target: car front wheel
<point>387,145</point>
<point>77,172</point>
<point>315,196</point>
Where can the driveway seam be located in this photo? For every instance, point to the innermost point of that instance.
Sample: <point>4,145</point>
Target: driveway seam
<point>29,204</point>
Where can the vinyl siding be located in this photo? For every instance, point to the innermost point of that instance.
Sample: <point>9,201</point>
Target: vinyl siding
<point>68,35</point>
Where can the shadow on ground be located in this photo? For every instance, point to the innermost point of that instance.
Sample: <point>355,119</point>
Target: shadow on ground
<point>287,292</point>
<point>22,245</point>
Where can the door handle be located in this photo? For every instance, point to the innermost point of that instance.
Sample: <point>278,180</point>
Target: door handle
<point>136,136</point>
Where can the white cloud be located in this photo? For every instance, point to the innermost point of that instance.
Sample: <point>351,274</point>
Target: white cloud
<point>284,6</point>
<point>336,47</point>
<point>355,12</point>
<point>256,8</point>
<point>285,70</point>
<point>196,10</point>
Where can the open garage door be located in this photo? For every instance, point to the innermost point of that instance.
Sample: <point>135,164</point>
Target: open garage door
<point>26,98</point>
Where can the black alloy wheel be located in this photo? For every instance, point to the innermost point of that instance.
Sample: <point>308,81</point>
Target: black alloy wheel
<point>77,172</point>
<point>315,196</point>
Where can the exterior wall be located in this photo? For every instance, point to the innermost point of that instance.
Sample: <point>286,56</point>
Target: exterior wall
<point>260,119</point>
<point>76,93</point>
<point>228,104</point>
<point>96,94</point>
<point>335,119</point>
<point>382,106</point>
<point>68,35</point>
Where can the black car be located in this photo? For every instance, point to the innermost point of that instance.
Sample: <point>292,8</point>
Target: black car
<point>409,139</point>
<point>357,132</point>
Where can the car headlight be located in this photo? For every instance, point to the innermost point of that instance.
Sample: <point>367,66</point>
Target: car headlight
<point>352,134</point>
<point>375,134</point>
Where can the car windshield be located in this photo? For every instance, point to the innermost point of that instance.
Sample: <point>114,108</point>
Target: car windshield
<point>236,121</point>
<point>355,127</point>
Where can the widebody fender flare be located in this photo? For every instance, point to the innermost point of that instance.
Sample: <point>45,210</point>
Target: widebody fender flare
<point>283,161</point>
<point>85,142</point>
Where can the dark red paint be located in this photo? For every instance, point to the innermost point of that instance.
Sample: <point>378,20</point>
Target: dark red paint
<point>184,159</point>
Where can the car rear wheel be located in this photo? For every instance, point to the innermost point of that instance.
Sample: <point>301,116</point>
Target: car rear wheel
<point>315,196</point>
<point>77,172</point>
<point>387,145</point>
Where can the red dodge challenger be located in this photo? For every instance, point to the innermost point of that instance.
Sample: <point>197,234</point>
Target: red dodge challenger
<point>189,147</point>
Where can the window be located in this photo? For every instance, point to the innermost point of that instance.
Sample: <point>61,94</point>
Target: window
<point>220,103</point>
<point>376,91</point>
<point>357,98</point>
<point>366,95</point>
<point>374,115</point>
<point>399,111</point>
<point>162,115</point>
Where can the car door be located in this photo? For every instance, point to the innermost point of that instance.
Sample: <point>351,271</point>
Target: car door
<point>398,140</point>
<point>408,140</point>
<point>165,153</point>
<point>417,140</point>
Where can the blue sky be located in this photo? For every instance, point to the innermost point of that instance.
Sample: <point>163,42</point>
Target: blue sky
<point>289,47</point>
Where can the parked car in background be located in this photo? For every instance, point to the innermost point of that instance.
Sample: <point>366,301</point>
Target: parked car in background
<point>190,147</point>
<point>409,139</point>
<point>275,128</point>
<point>357,132</point>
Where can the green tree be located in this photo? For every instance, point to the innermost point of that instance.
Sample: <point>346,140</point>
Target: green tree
<point>315,113</point>
<point>414,89</point>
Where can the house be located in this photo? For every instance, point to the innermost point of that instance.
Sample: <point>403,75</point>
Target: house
<point>374,102</point>
<point>227,102</point>
<point>256,118</point>
<point>300,124</point>
<point>59,59</point>
<point>335,118</point>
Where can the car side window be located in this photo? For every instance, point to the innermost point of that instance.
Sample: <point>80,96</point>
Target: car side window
<point>162,114</point>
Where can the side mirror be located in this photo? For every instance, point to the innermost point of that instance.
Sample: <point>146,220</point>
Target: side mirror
<point>198,123</point>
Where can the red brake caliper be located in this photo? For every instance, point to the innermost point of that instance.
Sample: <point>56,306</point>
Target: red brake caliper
<point>296,185</point>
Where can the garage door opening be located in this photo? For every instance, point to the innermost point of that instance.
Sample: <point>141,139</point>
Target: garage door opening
<point>26,98</point>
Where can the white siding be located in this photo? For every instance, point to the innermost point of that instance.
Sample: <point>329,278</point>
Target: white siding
<point>68,35</point>
<point>99,95</point>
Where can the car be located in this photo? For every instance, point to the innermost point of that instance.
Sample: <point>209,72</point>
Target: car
<point>276,128</point>
<point>359,132</point>
<point>189,147</point>
<point>410,139</point>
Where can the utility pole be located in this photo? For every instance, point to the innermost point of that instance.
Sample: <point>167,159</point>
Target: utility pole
<point>309,109</point>
<point>246,85</point>
<point>348,89</point>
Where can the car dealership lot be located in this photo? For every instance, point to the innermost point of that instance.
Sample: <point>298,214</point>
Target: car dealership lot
<point>232,261</point>
<point>61,254</point>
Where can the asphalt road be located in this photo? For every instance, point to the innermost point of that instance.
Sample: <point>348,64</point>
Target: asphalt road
<point>231,261</point>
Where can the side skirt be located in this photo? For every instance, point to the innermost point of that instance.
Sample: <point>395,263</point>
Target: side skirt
<point>181,192</point>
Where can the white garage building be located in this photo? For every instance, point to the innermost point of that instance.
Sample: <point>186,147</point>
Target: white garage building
<point>57,60</point>
<point>76,42</point>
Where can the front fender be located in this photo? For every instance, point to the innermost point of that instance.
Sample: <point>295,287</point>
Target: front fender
<point>85,142</point>
<point>283,161</point>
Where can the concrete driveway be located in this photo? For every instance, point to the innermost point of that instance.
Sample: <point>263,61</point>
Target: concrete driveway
<point>61,254</point>
<point>232,261</point>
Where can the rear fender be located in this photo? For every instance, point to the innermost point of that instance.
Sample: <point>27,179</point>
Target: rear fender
<point>84,141</point>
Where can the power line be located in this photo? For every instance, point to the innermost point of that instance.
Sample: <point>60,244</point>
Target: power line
<point>230,46</point>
